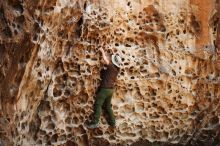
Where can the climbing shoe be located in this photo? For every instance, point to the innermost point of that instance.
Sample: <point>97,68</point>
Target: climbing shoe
<point>93,125</point>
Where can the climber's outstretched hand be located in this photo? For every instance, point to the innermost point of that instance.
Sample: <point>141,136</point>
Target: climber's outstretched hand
<point>104,56</point>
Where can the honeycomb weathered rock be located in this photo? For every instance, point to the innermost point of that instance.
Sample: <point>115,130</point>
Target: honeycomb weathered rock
<point>168,89</point>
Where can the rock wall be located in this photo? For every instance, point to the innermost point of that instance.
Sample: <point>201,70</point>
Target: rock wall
<point>168,89</point>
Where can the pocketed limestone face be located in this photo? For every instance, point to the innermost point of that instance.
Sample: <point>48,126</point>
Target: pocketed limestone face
<point>168,88</point>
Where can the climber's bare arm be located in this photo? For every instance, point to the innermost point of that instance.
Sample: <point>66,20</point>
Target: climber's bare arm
<point>104,56</point>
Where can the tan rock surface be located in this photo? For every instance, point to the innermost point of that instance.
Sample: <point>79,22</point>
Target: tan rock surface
<point>168,89</point>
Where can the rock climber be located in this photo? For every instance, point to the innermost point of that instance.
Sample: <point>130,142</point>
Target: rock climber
<point>105,92</point>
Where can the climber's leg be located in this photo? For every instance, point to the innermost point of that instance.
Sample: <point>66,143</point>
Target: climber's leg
<point>108,107</point>
<point>100,98</point>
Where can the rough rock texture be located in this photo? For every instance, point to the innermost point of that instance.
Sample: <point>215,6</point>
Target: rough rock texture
<point>168,89</point>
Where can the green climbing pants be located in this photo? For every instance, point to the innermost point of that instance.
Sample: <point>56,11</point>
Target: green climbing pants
<point>103,98</point>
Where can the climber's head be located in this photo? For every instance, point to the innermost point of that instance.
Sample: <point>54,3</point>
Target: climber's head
<point>116,60</point>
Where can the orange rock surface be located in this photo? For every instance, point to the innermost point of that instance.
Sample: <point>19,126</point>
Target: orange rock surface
<point>167,92</point>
